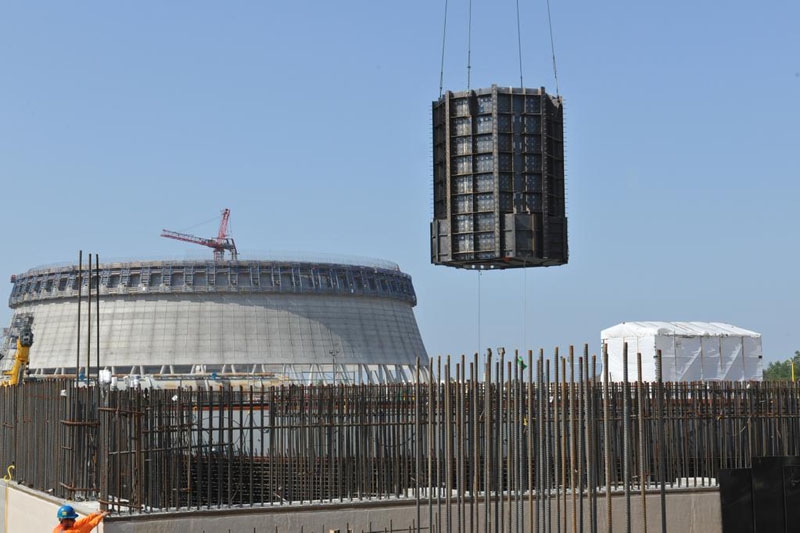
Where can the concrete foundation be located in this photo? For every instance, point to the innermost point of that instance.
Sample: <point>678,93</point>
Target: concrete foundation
<point>695,510</point>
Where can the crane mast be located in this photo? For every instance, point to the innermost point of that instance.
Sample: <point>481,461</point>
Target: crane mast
<point>219,244</point>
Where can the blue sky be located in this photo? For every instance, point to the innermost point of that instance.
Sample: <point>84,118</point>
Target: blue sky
<point>311,122</point>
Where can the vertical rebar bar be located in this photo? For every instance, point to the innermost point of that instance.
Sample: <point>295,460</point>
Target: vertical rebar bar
<point>89,323</point>
<point>97,313</point>
<point>531,426</point>
<point>462,440</point>
<point>431,443</point>
<point>448,450</point>
<point>548,449</point>
<point>589,444</point>
<point>595,445</point>
<point>626,437</point>
<point>499,434</point>
<point>474,516</point>
<point>607,440</point>
<point>78,348</point>
<point>518,440</point>
<point>573,469</point>
<point>539,522</point>
<point>581,436</point>
<point>557,463</point>
<point>564,444</point>
<point>641,421</point>
<point>417,442</point>
<point>488,448</point>
<point>661,441</point>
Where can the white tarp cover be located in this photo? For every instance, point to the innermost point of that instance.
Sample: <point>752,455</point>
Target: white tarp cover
<point>690,351</point>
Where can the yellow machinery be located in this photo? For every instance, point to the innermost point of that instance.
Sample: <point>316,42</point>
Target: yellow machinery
<point>21,357</point>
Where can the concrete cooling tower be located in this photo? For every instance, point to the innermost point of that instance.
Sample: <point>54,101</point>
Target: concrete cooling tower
<point>305,321</point>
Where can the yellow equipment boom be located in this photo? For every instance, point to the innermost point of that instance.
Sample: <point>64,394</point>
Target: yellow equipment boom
<point>21,357</point>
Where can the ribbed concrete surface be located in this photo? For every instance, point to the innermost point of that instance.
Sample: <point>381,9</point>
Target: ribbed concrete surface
<point>230,329</point>
<point>309,323</point>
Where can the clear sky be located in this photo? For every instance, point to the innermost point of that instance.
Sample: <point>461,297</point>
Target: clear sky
<point>311,122</point>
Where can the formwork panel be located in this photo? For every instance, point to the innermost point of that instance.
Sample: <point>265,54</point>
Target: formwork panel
<point>498,179</point>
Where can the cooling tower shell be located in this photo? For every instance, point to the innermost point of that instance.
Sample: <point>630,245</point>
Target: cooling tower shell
<point>180,316</point>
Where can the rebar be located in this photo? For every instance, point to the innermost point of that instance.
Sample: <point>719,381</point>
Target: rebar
<point>606,439</point>
<point>480,455</point>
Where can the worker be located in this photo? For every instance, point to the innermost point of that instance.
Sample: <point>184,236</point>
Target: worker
<point>68,520</point>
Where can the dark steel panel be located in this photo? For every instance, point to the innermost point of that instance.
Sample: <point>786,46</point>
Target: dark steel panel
<point>736,498</point>
<point>768,506</point>
<point>498,179</point>
<point>791,495</point>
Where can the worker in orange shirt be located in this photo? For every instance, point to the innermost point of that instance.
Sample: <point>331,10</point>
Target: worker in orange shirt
<point>68,520</point>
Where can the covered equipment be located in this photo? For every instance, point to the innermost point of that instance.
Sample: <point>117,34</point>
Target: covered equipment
<point>690,351</point>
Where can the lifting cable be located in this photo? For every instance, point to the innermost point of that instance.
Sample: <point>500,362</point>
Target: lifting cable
<point>519,48</point>
<point>524,307</point>
<point>480,350</point>
<point>444,35</point>
<point>552,46</point>
<point>469,45</point>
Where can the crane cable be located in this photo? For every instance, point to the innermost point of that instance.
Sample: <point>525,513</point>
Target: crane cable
<point>524,307</point>
<point>480,272</point>
<point>469,48</point>
<point>203,223</point>
<point>519,47</point>
<point>469,45</point>
<point>444,35</point>
<point>552,46</point>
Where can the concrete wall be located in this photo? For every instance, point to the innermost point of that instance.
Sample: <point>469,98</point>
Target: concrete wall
<point>239,329</point>
<point>26,511</point>
<point>688,511</point>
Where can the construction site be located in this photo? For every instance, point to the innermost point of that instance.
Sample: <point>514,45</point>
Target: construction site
<point>497,443</point>
<point>281,395</point>
<point>285,395</point>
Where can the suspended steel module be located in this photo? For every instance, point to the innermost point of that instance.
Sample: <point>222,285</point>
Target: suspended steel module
<point>498,179</point>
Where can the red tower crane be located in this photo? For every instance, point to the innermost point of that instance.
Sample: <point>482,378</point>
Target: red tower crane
<point>220,244</point>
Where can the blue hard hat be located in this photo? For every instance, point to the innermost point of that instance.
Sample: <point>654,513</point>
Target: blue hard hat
<point>66,511</point>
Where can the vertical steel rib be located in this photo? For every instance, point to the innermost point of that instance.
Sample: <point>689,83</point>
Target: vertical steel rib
<point>607,440</point>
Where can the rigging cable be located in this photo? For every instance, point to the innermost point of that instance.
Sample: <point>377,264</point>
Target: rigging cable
<point>203,223</point>
<point>524,306</point>
<point>552,46</point>
<point>519,46</point>
<point>444,35</point>
<point>479,311</point>
<point>469,45</point>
